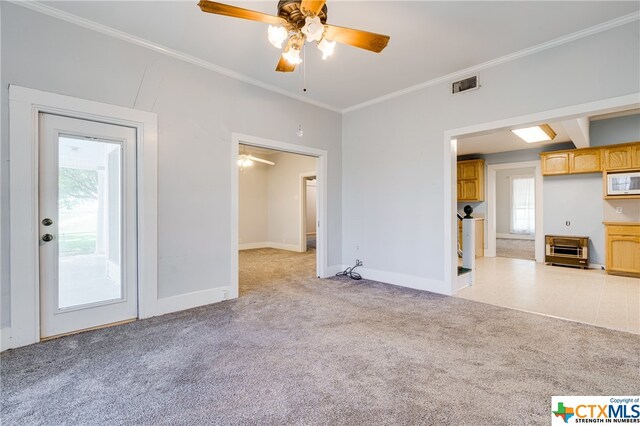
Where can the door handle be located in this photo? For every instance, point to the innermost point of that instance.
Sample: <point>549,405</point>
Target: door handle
<point>47,237</point>
<point>47,222</point>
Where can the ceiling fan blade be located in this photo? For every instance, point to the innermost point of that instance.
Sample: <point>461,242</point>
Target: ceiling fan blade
<point>238,12</point>
<point>356,38</point>
<point>285,66</point>
<point>313,7</point>
<point>261,160</point>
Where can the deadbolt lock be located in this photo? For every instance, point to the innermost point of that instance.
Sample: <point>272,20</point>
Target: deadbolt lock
<point>47,222</point>
<point>47,237</point>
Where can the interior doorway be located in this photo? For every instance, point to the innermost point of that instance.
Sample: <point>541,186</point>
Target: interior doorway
<point>308,205</point>
<point>269,185</point>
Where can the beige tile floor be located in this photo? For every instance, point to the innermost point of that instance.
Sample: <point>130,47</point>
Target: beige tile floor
<point>588,296</point>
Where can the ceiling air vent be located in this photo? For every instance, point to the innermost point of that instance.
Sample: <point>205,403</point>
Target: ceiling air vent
<point>465,85</point>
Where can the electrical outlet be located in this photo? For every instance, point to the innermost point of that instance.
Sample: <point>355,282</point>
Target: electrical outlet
<point>224,294</point>
<point>618,209</point>
<point>359,262</point>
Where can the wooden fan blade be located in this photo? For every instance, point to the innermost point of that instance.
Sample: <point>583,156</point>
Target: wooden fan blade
<point>356,38</point>
<point>285,66</point>
<point>313,7</point>
<point>238,12</point>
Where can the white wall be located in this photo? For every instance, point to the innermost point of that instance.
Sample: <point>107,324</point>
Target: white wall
<point>269,202</point>
<point>311,206</point>
<point>252,204</point>
<point>503,196</point>
<point>197,112</point>
<point>283,199</point>
<point>393,151</point>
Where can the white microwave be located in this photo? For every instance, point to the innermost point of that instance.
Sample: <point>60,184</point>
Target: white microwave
<point>627,183</point>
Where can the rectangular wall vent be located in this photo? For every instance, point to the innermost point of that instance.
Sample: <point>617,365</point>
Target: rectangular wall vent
<point>467,84</point>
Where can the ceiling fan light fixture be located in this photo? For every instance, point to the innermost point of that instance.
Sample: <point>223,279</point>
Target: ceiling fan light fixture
<point>326,47</point>
<point>277,35</point>
<point>292,56</point>
<point>313,28</point>
<point>540,133</point>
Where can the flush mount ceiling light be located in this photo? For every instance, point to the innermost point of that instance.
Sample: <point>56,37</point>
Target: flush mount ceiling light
<point>540,133</point>
<point>300,21</point>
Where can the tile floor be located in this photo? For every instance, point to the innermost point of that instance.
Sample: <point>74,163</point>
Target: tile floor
<point>588,296</point>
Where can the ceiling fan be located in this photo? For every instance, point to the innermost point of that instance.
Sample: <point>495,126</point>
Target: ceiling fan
<point>297,21</point>
<point>247,160</point>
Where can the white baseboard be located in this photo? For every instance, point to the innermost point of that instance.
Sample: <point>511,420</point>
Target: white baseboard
<point>596,266</point>
<point>464,280</point>
<point>334,269</point>
<point>516,236</point>
<point>5,339</point>
<point>194,299</point>
<point>251,246</point>
<point>409,281</point>
<point>267,244</point>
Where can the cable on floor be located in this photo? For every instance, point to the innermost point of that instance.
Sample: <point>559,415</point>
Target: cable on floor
<point>349,273</point>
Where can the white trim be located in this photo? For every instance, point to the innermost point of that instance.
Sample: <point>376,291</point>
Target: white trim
<point>409,281</point>
<point>121,35</point>
<point>334,269</point>
<point>253,246</point>
<point>617,22</point>
<point>530,237</point>
<point>491,207</point>
<point>302,214</point>
<point>167,305</point>
<point>24,106</point>
<point>268,244</point>
<point>104,29</point>
<point>321,199</point>
<point>603,106</point>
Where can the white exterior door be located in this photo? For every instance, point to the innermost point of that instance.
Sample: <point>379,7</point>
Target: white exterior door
<point>87,222</point>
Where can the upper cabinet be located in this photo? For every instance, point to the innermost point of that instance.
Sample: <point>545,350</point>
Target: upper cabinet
<point>584,161</point>
<point>618,157</point>
<point>591,160</point>
<point>471,180</point>
<point>555,163</point>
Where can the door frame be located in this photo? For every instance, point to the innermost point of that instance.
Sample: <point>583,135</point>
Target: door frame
<point>492,199</point>
<point>304,177</point>
<point>321,199</point>
<point>449,171</point>
<point>25,105</point>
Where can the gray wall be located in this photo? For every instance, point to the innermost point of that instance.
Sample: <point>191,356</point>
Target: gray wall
<point>197,112</point>
<point>577,199</point>
<point>615,130</point>
<point>503,197</point>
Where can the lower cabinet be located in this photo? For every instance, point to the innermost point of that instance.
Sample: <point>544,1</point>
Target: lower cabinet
<point>622,251</point>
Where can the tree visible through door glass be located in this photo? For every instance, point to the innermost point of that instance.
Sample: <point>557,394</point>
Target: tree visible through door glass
<point>89,214</point>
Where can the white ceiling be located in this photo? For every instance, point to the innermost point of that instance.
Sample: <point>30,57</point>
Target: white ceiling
<point>505,140</point>
<point>428,39</point>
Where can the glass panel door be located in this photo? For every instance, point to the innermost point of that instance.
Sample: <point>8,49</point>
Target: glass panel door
<point>89,234</point>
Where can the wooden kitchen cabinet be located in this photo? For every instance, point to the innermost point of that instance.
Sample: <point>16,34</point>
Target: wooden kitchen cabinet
<point>622,248</point>
<point>618,157</point>
<point>585,161</point>
<point>555,163</point>
<point>470,180</point>
<point>635,156</point>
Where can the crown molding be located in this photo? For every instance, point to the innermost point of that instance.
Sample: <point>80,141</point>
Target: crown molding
<point>104,29</point>
<point>623,20</point>
<point>121,35</point>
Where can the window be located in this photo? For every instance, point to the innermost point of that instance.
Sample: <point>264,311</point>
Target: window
<point>523,200</point>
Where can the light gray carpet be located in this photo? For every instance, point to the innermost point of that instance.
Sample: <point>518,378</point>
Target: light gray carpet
<point>516,249</point>
<point>294,349</point>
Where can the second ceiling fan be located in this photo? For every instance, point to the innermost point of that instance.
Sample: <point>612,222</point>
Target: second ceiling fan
<point>299,21</point>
